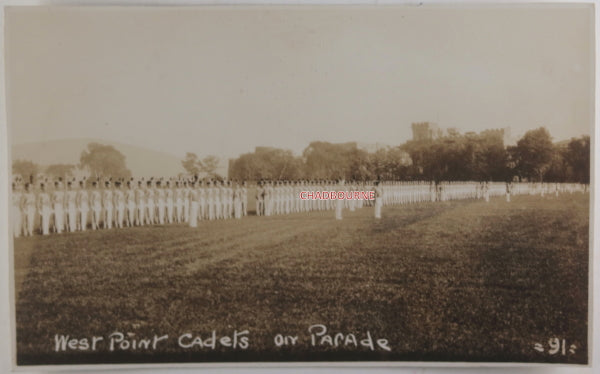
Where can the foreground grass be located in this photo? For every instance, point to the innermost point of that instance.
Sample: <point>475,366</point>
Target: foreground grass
<point>454,281</point>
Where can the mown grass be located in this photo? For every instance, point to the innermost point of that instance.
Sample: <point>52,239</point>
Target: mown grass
<point>453,281</point>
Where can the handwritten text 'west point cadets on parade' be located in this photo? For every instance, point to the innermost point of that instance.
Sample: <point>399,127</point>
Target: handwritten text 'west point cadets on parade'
<point>315,336</point>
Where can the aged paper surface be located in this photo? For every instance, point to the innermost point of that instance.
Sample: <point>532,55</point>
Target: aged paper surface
<point>300,184</point>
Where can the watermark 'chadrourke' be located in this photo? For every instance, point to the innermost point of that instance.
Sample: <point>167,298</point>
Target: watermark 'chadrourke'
<point>337,195</point>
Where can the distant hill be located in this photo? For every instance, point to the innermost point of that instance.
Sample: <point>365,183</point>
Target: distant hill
<point>141,161</point>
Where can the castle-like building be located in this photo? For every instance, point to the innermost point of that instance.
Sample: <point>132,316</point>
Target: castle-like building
<point>426,131</point>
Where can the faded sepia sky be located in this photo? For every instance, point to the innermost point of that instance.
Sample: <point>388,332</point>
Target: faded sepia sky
<point>222,80</point>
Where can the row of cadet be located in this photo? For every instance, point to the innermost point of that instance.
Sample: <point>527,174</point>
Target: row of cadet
<point>75,207</point>
<point>80,205</point>
<point>285,197</point>
<point>414,192</point>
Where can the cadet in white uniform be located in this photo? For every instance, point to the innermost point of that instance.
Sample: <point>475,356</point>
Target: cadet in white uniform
<point>28,205</point>
<point>217,200</point>
<point>119,204</point>
<point>203,213</point>
<point>193,213</point>
<point>130,204</point>
<point>140,202</point>
<point>260,199</point>
<point>223,198</point>
<point>160,201</point>
<point>96,203</point>
<point>378,199</point>
<point>228,200</point>
<point>169,201</point>
<point>210,200</point>
<point>43,206</point>
<point>339,204</point>
<point>58,201</point>
<point>178,202</point>
<point>71,204</point>
<point>244,198</point>
<point>107,202</point>
<point>486,192</point>
<point>83,205</point>
<point>277,198</point>
<point>237,201</point>
<point>268,198</point>
<point>150,206</point>
<point>186,201</point>
<point>352,202</point>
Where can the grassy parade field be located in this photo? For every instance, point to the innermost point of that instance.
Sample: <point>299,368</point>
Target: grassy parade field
<point>452,281</point>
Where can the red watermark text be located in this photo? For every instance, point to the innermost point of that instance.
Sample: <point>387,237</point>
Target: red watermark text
<point>337,195</point>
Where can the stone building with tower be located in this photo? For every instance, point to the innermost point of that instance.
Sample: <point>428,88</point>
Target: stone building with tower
<point>426,131</point>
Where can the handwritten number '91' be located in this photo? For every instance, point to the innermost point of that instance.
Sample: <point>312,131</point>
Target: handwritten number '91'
<point>556,345</point>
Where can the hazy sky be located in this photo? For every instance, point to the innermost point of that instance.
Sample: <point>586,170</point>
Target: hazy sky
<point>222,80</point>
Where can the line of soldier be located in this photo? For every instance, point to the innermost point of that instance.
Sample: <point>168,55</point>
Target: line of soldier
<point>107,204</point>
<point>79,205</point>
<point>283,197</point>
<point>414,192</point>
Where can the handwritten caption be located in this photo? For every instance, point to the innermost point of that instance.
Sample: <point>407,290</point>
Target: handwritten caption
<point>316,335</point>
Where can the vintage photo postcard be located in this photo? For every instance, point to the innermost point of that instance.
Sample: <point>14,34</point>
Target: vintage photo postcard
<point>300,184</point>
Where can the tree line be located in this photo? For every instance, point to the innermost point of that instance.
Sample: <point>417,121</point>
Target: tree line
<point>105,161</point>
<point>454,156</point>
<point>98,161</point>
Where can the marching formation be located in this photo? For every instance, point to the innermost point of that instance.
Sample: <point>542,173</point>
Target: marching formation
<point>103,204</point>
<point>79,205</point>
<point>285,197</point>
<point>414,192</point>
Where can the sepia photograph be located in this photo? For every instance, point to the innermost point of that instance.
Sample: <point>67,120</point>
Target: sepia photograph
<point>300,184</point>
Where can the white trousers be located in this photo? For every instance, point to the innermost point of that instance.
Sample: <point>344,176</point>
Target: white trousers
<point>378,204</point>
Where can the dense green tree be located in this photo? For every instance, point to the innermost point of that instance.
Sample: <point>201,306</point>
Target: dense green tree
<point>104,161</point>
<point>324,160</point>
<point>577,156</point>
<point>458,157</point>
<point>389,163</point>
<point>266,163</point>
<point>455,156</point>
<point>534,153</point>
<point>208,165</point>
<point>559,170</point>
<point>191,164</point>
